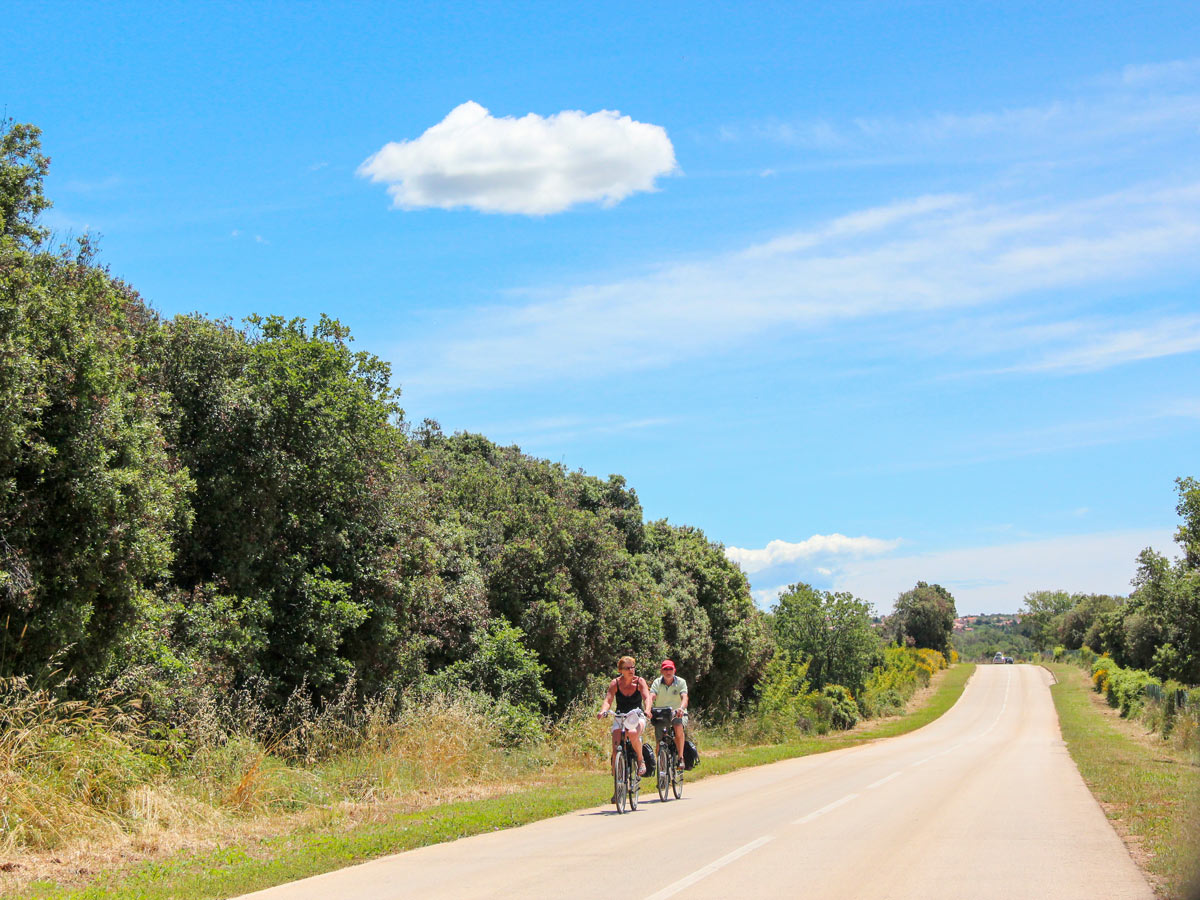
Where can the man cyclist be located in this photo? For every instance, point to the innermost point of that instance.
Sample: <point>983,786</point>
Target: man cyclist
<point>631,694</point>
<point>670,690</point>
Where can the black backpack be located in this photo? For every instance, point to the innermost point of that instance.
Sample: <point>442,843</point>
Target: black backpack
<point>648,758</point>
<point>691,755</point>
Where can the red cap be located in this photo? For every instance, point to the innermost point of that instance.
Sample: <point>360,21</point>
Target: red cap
<point>667,664</point>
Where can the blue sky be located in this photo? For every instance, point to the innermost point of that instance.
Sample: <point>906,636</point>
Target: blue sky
<point>870,292</point>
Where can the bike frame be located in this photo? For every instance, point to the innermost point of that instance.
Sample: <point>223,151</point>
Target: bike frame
<point>627,783</point>
<point>670,776</point>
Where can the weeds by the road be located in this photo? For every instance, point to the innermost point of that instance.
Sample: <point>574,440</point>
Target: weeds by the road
<point>340,835</point>
<point>1151,789</point>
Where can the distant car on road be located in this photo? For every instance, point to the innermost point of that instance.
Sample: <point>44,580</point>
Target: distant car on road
<point>1009,660</point>
<point>998,658</point>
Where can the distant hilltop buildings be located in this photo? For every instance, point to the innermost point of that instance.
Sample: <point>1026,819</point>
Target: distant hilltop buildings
<point>997,620</point>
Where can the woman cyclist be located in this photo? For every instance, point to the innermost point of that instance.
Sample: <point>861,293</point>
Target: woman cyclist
<point>631,694</point>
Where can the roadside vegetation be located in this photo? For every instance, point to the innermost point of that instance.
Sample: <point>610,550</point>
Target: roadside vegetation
<point>1128,698</point>
<point>443,802</point>
<point>1144,773</point>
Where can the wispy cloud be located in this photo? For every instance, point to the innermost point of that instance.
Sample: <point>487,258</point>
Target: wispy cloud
<point>996,578</point>
<point>1152,420</point>
<point>914,256</point>
<point>532,165</point>
<point>238,234</point>
<point>1147,100</point>
<point>1107,347</point>
<point>1173,72</point>
<point>777,552</point>
<point>97,186</point>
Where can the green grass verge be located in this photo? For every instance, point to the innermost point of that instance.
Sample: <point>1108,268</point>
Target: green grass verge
<point>299,854</point>
<point>1153,792</point>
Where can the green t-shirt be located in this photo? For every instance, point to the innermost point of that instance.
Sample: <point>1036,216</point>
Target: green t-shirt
<point>668,694</point>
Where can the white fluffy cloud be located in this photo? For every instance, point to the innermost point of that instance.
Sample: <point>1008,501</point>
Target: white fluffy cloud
<point>819,545</point>
<point>531,165</point>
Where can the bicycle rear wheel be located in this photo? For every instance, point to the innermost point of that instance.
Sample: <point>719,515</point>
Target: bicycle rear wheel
<point>619,782</point>
<point>664,772</point>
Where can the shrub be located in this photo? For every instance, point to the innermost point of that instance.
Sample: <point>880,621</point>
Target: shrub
<point>891,685</point>
<point>1100,668</point>
<point>843,710</point>
<point>1125,689</point>
<point>1165,709</point>
<point>786,705</point>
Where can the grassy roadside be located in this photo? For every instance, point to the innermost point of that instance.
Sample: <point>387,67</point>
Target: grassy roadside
<point>1150,791</point>
<point>332,845</point>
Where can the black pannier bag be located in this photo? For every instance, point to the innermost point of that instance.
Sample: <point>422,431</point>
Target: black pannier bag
<point>691,756</point>
<point>648,758</point>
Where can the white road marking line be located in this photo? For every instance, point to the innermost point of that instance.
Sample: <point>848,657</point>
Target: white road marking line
<point>824,809</point>
<point>671,889</point>
<point>883,781</point>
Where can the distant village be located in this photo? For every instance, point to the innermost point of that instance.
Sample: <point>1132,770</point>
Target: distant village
<point>999,620</point>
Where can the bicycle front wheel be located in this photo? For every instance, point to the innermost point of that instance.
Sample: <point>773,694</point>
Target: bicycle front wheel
<point>619,781</point>
<point>635,782</point>
<point>664,772</point>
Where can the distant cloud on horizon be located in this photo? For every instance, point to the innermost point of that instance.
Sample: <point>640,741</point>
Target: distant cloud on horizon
<point>997,578</point>
<point>531,166</point>
<point>985,579</point>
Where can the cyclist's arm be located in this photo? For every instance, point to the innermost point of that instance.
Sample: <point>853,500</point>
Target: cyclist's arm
<point>646,697</point>
<point>608,699</point>
<point>683,699</point>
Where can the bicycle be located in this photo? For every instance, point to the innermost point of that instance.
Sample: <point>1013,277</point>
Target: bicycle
<point>627,783</point>
<point>670,766</point>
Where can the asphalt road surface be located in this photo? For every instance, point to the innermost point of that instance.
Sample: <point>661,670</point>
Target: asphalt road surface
<point>984,802</point>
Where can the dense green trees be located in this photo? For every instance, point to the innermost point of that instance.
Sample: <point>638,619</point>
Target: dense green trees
<point>89,495</point>
<point>290,439</point>
<point>924,617</point>
<point>832,630</point>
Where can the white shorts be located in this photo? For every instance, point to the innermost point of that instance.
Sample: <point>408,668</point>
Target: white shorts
<point>634,720</point>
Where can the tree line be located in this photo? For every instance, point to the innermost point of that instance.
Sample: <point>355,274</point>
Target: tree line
<point>1156,628</point>
<point>187,504</point>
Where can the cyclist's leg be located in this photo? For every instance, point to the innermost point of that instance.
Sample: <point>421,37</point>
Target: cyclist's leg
<point>660,729</point>
<point>635,738</point>
<point>678,725</point>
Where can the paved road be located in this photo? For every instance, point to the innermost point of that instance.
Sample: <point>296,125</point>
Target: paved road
<point>984,802</point>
